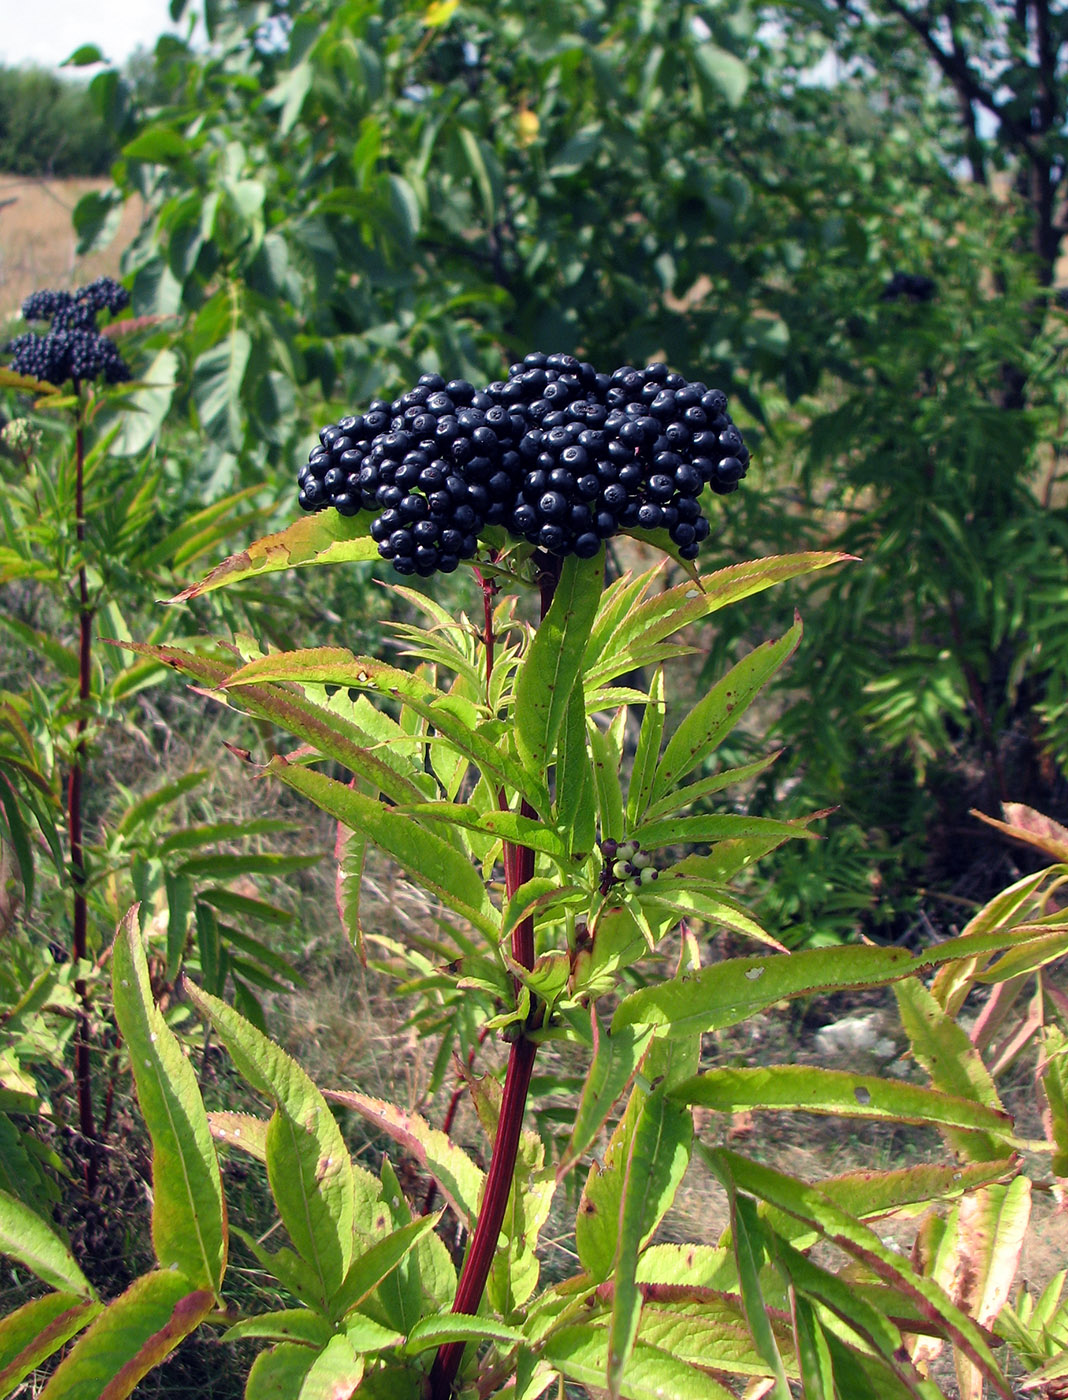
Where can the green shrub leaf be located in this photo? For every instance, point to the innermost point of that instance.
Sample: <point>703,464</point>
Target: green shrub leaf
<point>552,665</point>
<point>130,1337</point>
<point>188,1213</point>
<point>34,1332</point>
<point>307,1160</point>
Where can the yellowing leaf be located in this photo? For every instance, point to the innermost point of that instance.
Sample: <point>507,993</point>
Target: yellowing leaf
<point>527,127</point>
<point>440,12</point>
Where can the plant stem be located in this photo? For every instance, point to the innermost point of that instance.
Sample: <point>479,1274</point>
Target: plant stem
<point>82,1072</point>
<point>518,868</point>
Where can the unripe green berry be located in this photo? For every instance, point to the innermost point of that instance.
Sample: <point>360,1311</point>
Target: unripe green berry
<point>628,850</point>
<point>642,859</point>
<point>622,869</point>
<point>648,876</point>
<point>633,886</point>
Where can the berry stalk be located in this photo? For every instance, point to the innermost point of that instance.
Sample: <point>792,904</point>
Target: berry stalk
<point>79,950</point>
<point>518,868</point>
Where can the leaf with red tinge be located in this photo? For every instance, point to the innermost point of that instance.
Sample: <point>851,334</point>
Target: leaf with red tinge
<point>1030,828</point>
<point>32,1333</point>
<point>459,1180</point>
<point>132,1336</point>
<point>323,538</point>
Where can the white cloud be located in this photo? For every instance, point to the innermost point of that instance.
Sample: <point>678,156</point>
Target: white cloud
<point>45,32</point>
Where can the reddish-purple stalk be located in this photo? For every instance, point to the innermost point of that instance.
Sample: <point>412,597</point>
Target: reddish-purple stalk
<point>80,951</point>
<point>518,868</point>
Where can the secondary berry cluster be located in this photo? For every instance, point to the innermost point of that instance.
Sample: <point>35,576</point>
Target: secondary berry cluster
<point>557,454</point>
<point>626,864</point>
<point>72,348</point>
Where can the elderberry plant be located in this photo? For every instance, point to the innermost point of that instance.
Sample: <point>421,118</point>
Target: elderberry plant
<point>568,832</point>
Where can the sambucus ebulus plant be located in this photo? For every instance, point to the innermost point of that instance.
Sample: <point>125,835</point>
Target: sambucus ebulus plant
<point>529,780</point>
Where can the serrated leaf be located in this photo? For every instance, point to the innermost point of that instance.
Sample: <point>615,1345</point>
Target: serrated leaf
<point>657,1157</point>
<point>813,1090</point>
<point>218,375</point>
<point>748,1253</point>
<point>643,777</point>
<point>576,812</point>
<point>34,1332</point>
<point>553,662</point>
<point>307,1160</point>
<point>378,1262</point>
<point>715,715</point>
<point>735,989</point>
<point>322,538</point>
<point>581,1354</point>
<point>428,860</point>
<point>458,1327</point>
<point>655,619</point>
<point>808,1203</point>
<point>136,1332</point>
<point>188,1210</point>
<point>613,1065</point>
<point>459,1180</point>
<point>25,1237</point>
<point>942,1047</point>
<point>335,1374</point>
<point>279,1373</point>
<point>287,1325</point>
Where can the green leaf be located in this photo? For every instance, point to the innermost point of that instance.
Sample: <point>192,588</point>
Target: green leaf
<point>378,1262</point>
<point>286,1325</point>
<point>156,144</point>
<point>323,538</point>
<point>728,992</point>
<point>553,662</point>
<point>749,1250</point>
<point>576,812</point>
<point>808,1203</point>
<point>335,666</point>
<point>942,1047</point>
<point>144,411</point>
<point>25,1237</point>
<point>459,1180</point>
<point>307,1160</point>
<point>458,1327</point>
<point>188,1213</point>
<point>34,1332</point>
<point>714,716</point>
<point>606,764</point>
<point>130,1337</point>
<point>427,859</point>
<point>334,1374</point>
<point>661,616</point>
<point>658,1155</point>
<point>17,833</point>
<point>218,375</point>
<point>278,1374</point>
<point>812,1090</point>
<point>643,777</point>
<point>614,1063</point>
<point>722,72</point>
<point>581,1354</point>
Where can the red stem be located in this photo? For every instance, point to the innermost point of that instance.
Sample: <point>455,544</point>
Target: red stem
<point>82,1070</point>
<point>518,868</point>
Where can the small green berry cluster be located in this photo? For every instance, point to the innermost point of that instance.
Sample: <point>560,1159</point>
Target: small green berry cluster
<point>627,864</point>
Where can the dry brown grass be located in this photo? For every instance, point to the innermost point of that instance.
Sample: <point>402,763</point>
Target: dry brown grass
<point>37,238</point>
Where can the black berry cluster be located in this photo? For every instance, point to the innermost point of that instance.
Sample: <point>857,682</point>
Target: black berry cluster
<point>557,454</point>
<point>72,348</point>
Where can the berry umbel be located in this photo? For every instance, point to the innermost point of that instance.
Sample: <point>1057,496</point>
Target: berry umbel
<point>72,348</point>
<point>557,454</point>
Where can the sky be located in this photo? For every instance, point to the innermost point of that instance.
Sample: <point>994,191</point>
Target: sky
<point>45,32</point>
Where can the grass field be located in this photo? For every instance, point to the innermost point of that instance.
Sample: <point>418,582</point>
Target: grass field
<point>37,239</point>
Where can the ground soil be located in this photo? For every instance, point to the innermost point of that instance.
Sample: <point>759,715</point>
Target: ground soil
<point>37,238</point>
